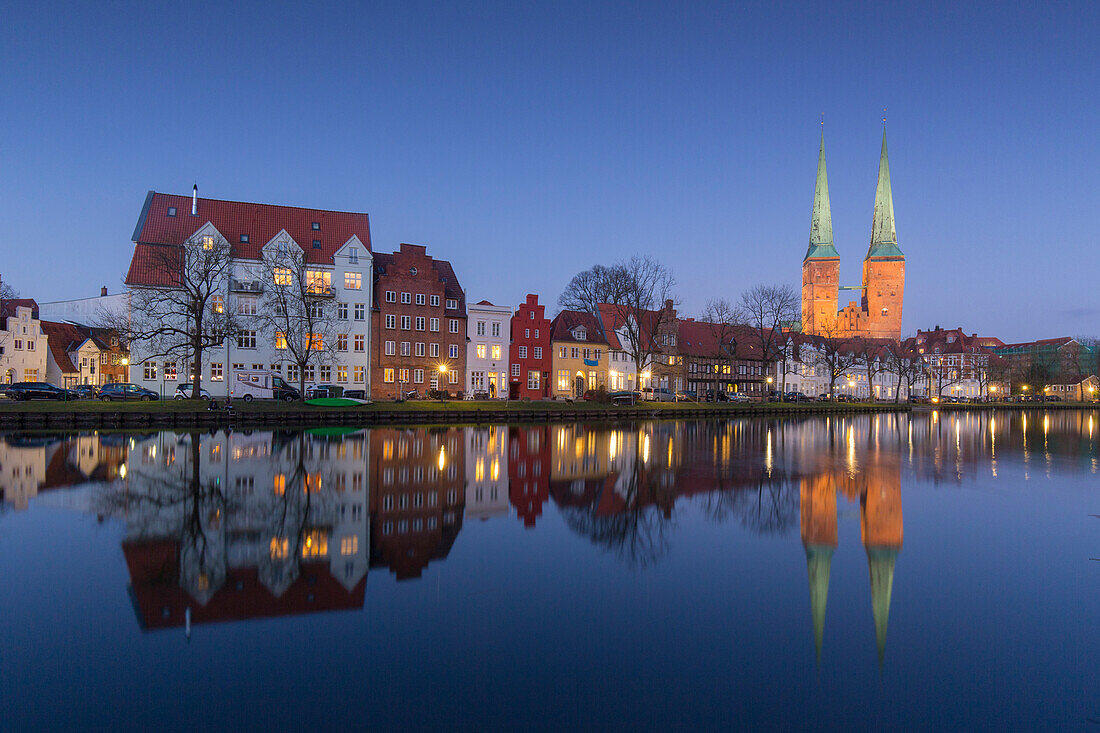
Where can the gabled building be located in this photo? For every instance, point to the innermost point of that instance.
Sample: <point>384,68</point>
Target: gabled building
<point>530,352</point>
<point>419,324</point>
<point>488,333</point>
<point>958,364</point>
<point>336,245</point>
<point>23,345</point>
<point>579,354</point>
<point>83,355</point>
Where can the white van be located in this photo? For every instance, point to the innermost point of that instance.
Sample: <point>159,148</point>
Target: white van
<point>250,384</point>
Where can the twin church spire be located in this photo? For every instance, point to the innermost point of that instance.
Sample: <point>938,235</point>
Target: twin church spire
<point>884,238</point>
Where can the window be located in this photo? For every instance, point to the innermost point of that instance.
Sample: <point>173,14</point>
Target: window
<point>341,342</point>
<point>420,299</point>
<point>244,239</point>
<point>353,255</point>
<point>496,328</point>
<point>452,351</point>
<point>406,347</point>
<point>292,372</point>
<point>536,333</point>
<point>526,333</point>
<point>433,350</point>
<point>316,310</point>
<point>574,352</point>
<point>217,304</point>
<point>358,342</point>
<point>418,376</point>
<point>434,301</point>
<point>481,328</point>
<point>391,296</point>
<point>420,322</point>
<point>563,379</point>
<point>246,305</point>
<point>387,375</point>
<point>353,280</point>
<point>538,352</point>
<point>452,377</point>
<point>318,281</point>
<point>419,351</point>
<point>316,244</point>
<point>282,276</point>
<point>357,374</point>
<point>403,375</point>
<point>533,380</point>
<point>406,298</point>
<point>246,340</point>
<point>515,370</point>
<point>454,326</point>
<point>207,242</point>
<point>480,351</point>
<point>391,320</point>
<point>433,325</point>
<point>342,311</point>
<point>171,211</point>
<point>599,351</point>
<point>495,351</point>
<point>310,373</point>
<point>452,303</point>
<point>523,352</point>
<point>216,372</point>
<point>391,348</point>
<point>406,323</point>
<point>326,373</point>
<point>316,226</point>
<point>150,370</point>
<point>316,341</point>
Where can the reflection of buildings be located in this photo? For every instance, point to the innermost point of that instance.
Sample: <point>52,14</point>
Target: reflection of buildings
<point>877,486</point>
<point>235,526</point>
<point>416,507</point>
<point>486,471</point>
<point>529,471</point>
<point>30,465</point>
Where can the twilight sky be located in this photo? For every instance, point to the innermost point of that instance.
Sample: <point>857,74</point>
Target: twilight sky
<point>526,141</point>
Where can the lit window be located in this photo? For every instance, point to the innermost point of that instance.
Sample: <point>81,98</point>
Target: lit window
<point>496,351</point>
<point>280,340</point>
<point>318,281</point>
<point>218,304</point>
<point>349,545</point>
<point>282,276</point>
<point>387,375</point>
<point>353,280</point>
<point>208,242</point>
<point>316,542</point>
<point>481,351</point>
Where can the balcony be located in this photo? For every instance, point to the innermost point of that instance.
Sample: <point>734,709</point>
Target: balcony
<point>245,286</point>
<point>321,291</point>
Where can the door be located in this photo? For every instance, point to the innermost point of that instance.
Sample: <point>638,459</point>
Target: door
<point>578,386</point>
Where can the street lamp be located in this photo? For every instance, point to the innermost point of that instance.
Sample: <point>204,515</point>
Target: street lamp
<point>442,371</point>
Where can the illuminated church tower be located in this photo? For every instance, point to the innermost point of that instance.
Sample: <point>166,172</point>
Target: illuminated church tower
<point>884,265</point>
<point>882,533</point>
<point>821,265</point>
<point>817,504</point>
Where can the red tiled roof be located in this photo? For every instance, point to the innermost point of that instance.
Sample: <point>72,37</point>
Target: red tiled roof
<point>7,309</point>
<point>260,222</point>
<point>452,290</point>
<point>561,328</point>
<point>154,264</point>
<point>62,338</point>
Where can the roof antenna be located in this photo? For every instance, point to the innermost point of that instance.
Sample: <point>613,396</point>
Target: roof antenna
<point>195,200</point>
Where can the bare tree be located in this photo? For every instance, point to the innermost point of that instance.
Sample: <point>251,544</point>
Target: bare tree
<point>874,362</point>
<point>635,292</point>
<point>769,311</point>
<point>720,318</point>
<point>7,292</point>
<point>298,310</point>
<point>178,309</point>
<point>835,355</point>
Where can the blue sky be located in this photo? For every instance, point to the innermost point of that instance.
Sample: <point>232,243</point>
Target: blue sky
<point>527,141</point>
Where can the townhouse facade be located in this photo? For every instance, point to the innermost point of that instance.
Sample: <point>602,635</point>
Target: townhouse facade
<point>84,355</point>
<point>579,354</point>
<point>487,341</point>
<point>23,344</point>
<point>530,353</point>
<point>335,247</point>
<point>418,324</point>
<point>958,364</point>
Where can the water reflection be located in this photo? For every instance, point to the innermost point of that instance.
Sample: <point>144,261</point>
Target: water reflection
<point>239,525</point>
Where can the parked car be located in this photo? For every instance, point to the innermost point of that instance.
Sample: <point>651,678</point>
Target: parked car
<point>250,384</point>
<point>355,394</point>
<point>184,391</point>
<point>658,394</point>
<point>737,397</point>
<point>120,391</point>
<point>86,391</point>
<point>796,397</point>
<point>39,391</point>
<point>322,390</point>
<point>687,395</point>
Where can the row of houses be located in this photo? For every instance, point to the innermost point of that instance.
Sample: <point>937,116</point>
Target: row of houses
<point>401,322</point>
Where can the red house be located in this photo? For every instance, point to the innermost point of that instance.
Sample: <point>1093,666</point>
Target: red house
<point>530,353</point>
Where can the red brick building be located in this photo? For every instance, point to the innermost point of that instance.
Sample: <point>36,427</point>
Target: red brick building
<point>529,471</point>
<point>530,352</point>
<point>418,324</point>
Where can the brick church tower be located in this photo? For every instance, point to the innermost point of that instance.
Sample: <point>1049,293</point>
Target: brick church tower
<point>821,265</point>
<point>884,265</point>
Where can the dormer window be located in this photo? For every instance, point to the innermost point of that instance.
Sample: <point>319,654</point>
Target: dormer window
<point>207,242</point>
<point>580,333</point>
<point>171,211</point>
<point>316,226</point>
<point>316,244</point>
<point>244,239</point>
<point>353,255</point>
<point>282,249</point>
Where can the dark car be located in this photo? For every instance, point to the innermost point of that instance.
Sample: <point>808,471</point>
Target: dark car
<point>39,391</point>
<point>796,397</point>
<point>625,397</point>
<point>86,391</point>
<point>687,395</point>
<point>120,391</point>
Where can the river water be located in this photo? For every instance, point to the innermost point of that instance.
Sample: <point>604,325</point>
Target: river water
<point>924,571</point>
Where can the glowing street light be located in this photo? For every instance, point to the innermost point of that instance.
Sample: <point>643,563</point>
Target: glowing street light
<point>442,371</point>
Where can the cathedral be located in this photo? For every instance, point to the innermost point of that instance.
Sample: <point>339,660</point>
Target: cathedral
<point>877,314</point>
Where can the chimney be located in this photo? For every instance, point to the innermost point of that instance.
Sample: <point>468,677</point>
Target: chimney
<point>195,200</point>
<point>103,292</point>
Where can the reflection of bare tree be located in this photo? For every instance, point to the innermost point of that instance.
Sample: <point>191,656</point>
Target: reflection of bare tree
<point>771,507</point>
<point>638,536</point>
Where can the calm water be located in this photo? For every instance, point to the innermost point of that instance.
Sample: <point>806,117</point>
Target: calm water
<point>924,571</point>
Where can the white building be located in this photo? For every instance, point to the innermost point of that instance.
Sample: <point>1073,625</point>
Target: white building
<point>486,471</point>
<point>488,333</point>
<point>95,311</point>
<point>335,245</point>
<point>23,346</point>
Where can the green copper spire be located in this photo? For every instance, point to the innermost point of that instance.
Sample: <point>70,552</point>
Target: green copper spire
<point>884,238</point>
<point>821,220</point>
<point>881,562</point>
<point>819,560</point>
